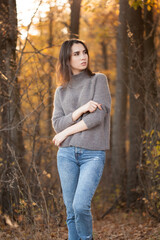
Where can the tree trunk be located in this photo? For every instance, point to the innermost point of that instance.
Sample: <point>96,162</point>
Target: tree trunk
<point>136,98</point>
<point>119,119</point>
<point>75,18</point>
<point>51,70</point>
<point>12,140</point>
<point>150,61</point>
<point>104,55</point>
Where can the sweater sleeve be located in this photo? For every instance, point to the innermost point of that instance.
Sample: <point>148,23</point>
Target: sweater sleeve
<point>60,121</point>
<point>102,96</point>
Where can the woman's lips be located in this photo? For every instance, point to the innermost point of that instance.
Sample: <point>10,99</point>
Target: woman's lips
<point>83,63</point>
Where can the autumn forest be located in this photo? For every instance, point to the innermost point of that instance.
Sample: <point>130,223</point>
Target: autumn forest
<point>123,38</point>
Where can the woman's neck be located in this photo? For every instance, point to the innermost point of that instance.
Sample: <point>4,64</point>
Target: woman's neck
<point>78,80</point>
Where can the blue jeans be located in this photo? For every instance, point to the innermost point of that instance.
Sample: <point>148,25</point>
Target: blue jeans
<point>80,171</point>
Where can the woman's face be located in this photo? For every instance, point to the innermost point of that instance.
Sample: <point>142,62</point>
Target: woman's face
<point>79,58</point>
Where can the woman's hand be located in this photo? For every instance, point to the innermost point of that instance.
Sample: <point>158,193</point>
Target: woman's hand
<point>91,106</point>
<point>59,138</point>
<point>75,128</point>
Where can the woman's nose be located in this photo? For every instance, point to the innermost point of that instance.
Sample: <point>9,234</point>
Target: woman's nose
<point>83,56</point>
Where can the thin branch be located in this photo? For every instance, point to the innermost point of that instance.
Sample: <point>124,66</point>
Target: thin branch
<point>28,28</point>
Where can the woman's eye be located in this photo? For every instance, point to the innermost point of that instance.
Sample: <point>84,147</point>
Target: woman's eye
<point>78,53</point>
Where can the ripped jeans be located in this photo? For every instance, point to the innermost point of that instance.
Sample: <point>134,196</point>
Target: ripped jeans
<point>80,171</point>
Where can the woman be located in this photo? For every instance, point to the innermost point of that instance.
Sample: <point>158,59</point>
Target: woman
<point>81,119</point>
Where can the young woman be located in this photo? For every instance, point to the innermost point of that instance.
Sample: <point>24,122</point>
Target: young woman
<point>81,120</point>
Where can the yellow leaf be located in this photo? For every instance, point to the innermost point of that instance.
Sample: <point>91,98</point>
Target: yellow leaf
<point>44,172</point>
<point>136,95</point>
<point>156,163</point>
<point>49,175</point>
<point>148,7</point>
<point>148,162</point>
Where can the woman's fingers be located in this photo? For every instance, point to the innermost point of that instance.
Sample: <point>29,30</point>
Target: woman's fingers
<point>100,106</point>
<point>90,106</point>
<point>59,138</point>
<point>56,143</point>
<point>93,106</point>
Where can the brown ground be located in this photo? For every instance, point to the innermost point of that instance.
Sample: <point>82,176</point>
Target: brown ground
<point>116,226</point>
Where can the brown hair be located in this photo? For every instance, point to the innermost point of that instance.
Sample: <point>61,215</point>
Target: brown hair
<point>63,67</point>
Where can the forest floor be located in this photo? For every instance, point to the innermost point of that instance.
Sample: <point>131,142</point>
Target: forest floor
<point>117,225</point>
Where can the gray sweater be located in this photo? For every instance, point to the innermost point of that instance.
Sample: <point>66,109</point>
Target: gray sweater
<point>81,89</point>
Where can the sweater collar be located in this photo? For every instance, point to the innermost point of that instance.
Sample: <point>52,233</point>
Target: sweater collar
<point>78,80</point>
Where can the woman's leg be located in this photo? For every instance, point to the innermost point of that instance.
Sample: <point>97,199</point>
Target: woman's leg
<point>91,168</point>
<point>69,173</point>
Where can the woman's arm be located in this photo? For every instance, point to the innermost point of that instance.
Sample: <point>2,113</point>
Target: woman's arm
<point>101,95</point>
<point>77,127</point>
<point>60,121</point>
<point>90,106</point>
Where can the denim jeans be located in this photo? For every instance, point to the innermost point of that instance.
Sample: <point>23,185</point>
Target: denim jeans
<point>80,171</point>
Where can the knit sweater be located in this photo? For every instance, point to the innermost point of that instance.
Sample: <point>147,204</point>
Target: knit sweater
<point>81,89</point>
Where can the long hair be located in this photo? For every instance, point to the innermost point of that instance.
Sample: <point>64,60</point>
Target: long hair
<point>64,72</point>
